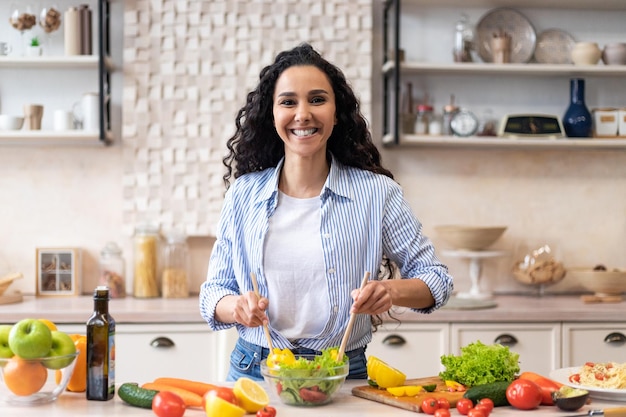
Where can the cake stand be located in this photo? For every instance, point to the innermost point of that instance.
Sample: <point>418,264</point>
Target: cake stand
<point>476,259</point>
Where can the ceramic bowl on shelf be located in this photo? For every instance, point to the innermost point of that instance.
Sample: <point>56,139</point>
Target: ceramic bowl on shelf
<point>10,122</point>
<point>602,282</point>
<point>614,54</point>
<point>586,53</point>
<point>474,238</point>
<point>35,381</point>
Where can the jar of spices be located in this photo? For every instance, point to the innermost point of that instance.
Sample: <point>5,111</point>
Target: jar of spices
<point>146,261</point>
<point>424,114</point>
<point>174,282</point>
<point>113,270</point>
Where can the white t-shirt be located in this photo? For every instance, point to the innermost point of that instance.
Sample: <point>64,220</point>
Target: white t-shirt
<point>295,270</point>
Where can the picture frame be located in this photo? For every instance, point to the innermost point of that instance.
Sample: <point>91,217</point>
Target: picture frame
<point>58,272</point>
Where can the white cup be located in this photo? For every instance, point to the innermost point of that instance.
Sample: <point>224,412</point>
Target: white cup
<point>63,120</point>
<point>9,122</point>
<point>5,48</point>
<point>87,111</point>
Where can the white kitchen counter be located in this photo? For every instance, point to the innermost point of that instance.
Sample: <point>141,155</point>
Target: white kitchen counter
<point>509,309</point>
<point>344,405</point>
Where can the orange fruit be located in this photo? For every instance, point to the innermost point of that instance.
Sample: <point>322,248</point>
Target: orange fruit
<point>48,323</point>
<point>78,381</point>
<point>24,377</point>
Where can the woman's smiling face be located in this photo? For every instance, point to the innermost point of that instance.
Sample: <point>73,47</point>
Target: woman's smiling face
<point>304,110</point>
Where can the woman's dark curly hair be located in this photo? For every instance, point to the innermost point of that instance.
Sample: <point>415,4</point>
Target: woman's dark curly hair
<point>256,144</point>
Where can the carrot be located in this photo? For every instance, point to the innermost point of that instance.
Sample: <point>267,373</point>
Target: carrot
<point>198,387</point>
<point>191,399</point>
<point>546,385</point>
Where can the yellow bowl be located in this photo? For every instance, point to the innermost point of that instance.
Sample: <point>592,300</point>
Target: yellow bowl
<point>602,283</point>
<point>35,381</point>
<point>473,238</point>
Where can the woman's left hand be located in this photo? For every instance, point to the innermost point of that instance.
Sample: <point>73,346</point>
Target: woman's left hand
<point>373,299</point>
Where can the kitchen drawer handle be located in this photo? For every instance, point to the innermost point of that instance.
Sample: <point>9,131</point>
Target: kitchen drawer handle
<point>506,340</point>
<point>616,338</point>
<point>394,340</point>
<point>162,342</point>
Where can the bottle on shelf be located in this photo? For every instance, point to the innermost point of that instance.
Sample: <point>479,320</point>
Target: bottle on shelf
<point>175,278</point>
<point>577,120</point>
<point>100,349</point>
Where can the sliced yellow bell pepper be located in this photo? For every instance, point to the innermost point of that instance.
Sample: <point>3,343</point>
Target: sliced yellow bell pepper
<point>454,386</point>
<point>279,357</point>
<point>405,390</point>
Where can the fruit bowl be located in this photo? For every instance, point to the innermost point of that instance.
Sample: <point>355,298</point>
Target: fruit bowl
<point>35,381</point>
<point>601,282</point>
<point>474,238</point>
<point>305,387</point>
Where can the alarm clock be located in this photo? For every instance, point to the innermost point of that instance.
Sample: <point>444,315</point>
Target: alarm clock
<point>531,125</point>
<point>464,123</point>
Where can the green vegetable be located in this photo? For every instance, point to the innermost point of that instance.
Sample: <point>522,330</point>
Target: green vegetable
<point>134,395</point>
<point>430,387</point>
<point>496,391</point>
<point>310,381</point>
<point>481,364</point>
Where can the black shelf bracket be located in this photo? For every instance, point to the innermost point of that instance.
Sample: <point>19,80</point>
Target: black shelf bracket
<point>391,41</point>
<point>104,73</point>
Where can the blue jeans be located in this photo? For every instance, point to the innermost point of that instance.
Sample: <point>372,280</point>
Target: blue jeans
<point>245,360</point>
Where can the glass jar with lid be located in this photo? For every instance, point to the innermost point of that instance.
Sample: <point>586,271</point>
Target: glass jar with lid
<point>146,244</point>
<point>113,270</point>
<point>175,278</point>
<point>424,114</point>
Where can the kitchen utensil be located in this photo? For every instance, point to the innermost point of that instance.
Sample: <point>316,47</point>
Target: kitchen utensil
<point>266,329</point>
<point>534,125</point>
<point>608,412</point>
<point>346,334</point>
<point>63,120</point>
<point>522,32</point>
<point>554,46</point>
<point>409,403</point>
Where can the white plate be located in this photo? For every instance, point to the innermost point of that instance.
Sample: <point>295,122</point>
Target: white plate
<point>554,46</point>
<point>562,376</point>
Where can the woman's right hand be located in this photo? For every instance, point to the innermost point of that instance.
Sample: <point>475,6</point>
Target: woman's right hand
<point>249,310</point>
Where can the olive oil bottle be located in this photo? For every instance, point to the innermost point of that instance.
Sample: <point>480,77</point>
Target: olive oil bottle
<point>101,349</point>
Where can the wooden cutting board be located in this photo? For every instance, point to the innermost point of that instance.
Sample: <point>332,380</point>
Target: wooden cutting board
<point>408,403</point>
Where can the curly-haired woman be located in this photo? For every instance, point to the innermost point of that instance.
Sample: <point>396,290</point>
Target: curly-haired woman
<point>310,211</point>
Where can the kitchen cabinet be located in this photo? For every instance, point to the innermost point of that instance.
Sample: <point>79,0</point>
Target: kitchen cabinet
<point>55,78</point>
<point>423,30</point>
<point>538,344</point>
<point>416,349</point>
<point>144,352</point>
<point>593,342</point>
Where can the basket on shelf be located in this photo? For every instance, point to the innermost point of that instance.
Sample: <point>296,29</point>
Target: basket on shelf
<point>7,280</point>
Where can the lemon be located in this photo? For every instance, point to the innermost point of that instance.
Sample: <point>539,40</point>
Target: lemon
<point>386,376</point>
<point>48,323</point>
<point>252,396</point>
<point>215,406</point>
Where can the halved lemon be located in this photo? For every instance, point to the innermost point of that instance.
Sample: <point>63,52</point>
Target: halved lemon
<point>215,406</point>
<point>251,395</point>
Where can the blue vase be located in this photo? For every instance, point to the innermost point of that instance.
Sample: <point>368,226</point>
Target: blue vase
<point>577,119</point>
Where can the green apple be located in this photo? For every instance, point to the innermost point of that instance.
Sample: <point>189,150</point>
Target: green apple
<point>30,339</point>
<point>5,350</point>
<point>62,345</point>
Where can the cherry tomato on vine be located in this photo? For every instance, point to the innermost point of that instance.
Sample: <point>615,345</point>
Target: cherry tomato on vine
<point>267,411</point>
<point>524,394</point>
<point>430,405</point>
<point>168,404</point>
<point>464,405</point>
<point>442,412</point>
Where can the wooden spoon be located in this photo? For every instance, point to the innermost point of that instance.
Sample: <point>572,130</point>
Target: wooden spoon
<point>266,329</point>
<point>346,335</point>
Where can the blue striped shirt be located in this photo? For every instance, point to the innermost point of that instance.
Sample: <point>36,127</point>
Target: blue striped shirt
<point>363,216</point>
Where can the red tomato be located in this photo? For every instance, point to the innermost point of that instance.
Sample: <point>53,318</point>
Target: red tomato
<point>488,402</point>
<point>442,412</point>
<point>168,404</point>
<point>476,412</point>
<point>574,378</point>
<point>430,405</point>
<point>443,403</point>
<point>524,394</point>
<point>484,408</point>
<point>267,411</point>
<point>464,405</point>
<point>224,393</point>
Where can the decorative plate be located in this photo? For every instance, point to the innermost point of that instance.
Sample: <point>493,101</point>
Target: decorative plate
<point>562,376</point>
<point>554,46</point>
<point>515,24</point>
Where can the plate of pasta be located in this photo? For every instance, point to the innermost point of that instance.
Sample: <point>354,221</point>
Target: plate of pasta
<point>603,380</point>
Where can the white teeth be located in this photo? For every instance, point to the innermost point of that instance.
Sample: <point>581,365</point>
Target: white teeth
<point>304,132</point>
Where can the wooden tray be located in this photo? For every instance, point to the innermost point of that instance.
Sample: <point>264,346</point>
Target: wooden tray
<point>409,403</point>
<point>15,297</point>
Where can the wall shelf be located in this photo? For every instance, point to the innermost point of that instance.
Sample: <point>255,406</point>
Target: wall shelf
<point>50,62</point>
<point>52,138</point>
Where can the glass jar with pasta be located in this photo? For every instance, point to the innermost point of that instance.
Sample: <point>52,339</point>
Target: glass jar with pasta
<point>146,261</point>
<point>175,278</point>
<point>113,270</point>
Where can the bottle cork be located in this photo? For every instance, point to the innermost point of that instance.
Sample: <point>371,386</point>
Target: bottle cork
<point>71,20</point>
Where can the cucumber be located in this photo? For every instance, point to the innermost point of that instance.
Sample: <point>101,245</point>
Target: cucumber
<point>136,396</point>
<point>496,391</point>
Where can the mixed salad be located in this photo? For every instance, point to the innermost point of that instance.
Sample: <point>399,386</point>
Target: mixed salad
<point>305,379</point>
